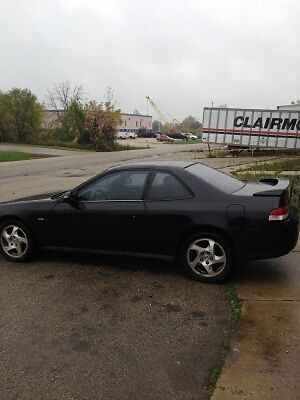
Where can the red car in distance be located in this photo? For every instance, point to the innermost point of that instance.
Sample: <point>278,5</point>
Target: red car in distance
<point>164,138</point>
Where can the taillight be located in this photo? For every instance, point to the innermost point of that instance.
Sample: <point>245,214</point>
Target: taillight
<point>279,214</point>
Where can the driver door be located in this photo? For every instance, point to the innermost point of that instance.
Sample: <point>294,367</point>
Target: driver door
<point>109,213</point>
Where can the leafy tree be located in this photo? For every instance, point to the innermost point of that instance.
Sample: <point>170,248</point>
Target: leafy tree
<point>3,119</point>
<point>101,122</point>
<point>168,127</point>
<point>73,121</point>
<point>21,114</point>
<point>190,124</point>
<point>156,126</point>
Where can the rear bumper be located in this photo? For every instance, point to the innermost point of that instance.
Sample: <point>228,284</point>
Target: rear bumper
<point>281,237</point>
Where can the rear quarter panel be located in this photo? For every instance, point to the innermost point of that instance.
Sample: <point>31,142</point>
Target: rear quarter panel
<point>256,235</point>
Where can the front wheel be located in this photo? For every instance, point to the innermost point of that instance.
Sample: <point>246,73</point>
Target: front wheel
<point>16,243</point>
<point>207,257</point>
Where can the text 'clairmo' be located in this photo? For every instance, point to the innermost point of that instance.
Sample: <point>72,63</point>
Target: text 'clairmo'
<point>267,123</point>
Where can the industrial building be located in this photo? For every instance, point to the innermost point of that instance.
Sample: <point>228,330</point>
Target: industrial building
<point>130,122</point>
<point>51,118</point>
<point>135,122</point>
<point>289,107</point>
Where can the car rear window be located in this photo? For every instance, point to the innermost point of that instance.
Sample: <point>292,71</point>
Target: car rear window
<point>166,187</point>
<point>215,178</point>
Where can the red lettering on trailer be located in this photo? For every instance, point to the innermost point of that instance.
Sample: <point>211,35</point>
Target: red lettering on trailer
<point>246,131</point>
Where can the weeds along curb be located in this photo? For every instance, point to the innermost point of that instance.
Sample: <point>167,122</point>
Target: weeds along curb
<point>235,309</point>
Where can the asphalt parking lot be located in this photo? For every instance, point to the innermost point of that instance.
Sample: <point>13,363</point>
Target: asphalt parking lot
<point>83,327</point>
<point>93,327</point>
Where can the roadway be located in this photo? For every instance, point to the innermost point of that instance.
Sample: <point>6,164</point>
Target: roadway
<point>78,159</point>
<point>21,178</point>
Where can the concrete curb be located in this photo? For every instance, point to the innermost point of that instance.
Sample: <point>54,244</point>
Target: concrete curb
<point>263,361</point>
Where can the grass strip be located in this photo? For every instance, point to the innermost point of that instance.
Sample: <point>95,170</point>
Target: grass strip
<point>291,164</point>
<point>18,156</point>
<point>235,309</point>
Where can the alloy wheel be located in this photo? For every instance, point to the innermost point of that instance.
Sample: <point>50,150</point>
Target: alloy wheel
<point>14,241</point>
<point>206,257</point>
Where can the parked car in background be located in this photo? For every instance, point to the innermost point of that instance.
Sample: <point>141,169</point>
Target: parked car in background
<point>147,134</point>
<point>178,135</point>
<point>126,135</point>
<point>164,138</point>
<point>190,136</point>
<point>173,210</point>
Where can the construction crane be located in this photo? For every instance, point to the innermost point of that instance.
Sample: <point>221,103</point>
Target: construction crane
<point>157,110</point>
<point>161,114</point>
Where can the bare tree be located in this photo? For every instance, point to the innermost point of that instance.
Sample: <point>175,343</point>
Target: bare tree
<point>109,98</point>
<point>62,95</point>
<point>136,112</point>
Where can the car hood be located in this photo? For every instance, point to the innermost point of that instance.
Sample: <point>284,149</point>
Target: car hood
<point>25,200</point>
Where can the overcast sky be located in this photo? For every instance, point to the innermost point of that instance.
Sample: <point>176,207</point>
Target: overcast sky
<point>182,53</point>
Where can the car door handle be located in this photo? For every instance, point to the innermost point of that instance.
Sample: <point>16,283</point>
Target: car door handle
<point>133,216</point>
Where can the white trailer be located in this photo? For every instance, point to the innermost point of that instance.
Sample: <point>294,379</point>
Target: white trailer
<point>251,127</point>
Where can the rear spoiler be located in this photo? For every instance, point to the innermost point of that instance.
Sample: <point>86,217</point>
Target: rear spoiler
<point>279,185</point>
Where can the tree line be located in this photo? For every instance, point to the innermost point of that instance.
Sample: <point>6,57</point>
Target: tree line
<point>80,122</point>
<point>188,124</point>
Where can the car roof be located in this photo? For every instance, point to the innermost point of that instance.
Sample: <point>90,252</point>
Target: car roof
<point>154,165</point>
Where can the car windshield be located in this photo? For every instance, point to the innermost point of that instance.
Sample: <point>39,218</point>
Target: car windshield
<point>218,179</point>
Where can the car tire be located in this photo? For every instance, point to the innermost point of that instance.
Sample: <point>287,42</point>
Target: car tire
<point>207,257</point>
<point>16,241</point>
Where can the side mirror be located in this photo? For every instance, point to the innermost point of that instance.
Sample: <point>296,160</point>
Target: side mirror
<point>70,197</point>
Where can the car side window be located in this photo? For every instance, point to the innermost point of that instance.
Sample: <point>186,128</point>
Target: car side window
<point>166,186</point>
<point>119,185</point>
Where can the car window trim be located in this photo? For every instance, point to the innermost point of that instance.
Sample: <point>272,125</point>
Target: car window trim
<point>111,201</point>
<point>153,173</point>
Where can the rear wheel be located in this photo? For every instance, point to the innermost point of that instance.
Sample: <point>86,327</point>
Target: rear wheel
<point>16,243</point>
<point>207,257</point>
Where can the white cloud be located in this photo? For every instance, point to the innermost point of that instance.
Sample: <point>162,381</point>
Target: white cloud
<point>184,54</point>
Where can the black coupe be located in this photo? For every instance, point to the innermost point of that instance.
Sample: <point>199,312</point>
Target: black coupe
<point>181,210</point>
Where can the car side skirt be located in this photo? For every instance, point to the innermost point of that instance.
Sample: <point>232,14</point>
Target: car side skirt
<point>109,252</point>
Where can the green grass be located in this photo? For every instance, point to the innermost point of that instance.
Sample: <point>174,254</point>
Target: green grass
<point>290,164</point>
<point>63,146</point>
<point>182,141</point>
<point>120,147</point>
<point>235,308</point>
<point>18,156</point>
<point>56,144</point>
<point>235,305</point>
